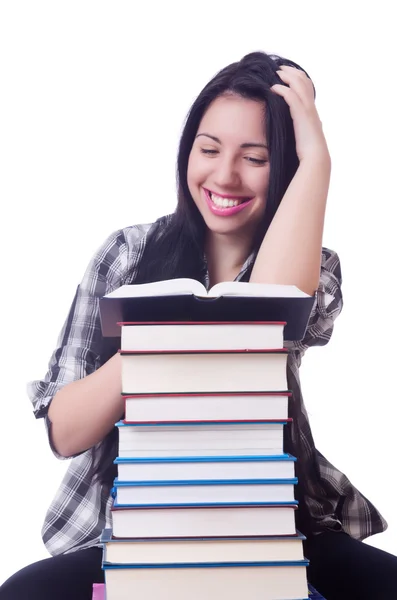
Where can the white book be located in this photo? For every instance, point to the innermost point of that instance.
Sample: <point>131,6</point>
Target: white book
<point>200,440</point>
<point>185,286</point>
<point>210,467</point>
<point>204,372</point>
<point>152,551</point>
<point>202,336</point>
<point>207,407</point>
<point>206,521</point>
<point>204,491</point>
<point>260,582</point>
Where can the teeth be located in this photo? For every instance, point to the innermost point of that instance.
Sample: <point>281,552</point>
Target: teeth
<point>224,202</point>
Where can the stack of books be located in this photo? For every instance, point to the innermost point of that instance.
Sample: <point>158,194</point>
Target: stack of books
<point>204,500</point>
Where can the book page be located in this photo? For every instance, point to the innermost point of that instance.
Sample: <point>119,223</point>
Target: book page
<point>169,287</point>
<point>269,290</point>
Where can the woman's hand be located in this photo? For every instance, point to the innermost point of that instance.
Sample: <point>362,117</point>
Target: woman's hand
<point>309,136</point>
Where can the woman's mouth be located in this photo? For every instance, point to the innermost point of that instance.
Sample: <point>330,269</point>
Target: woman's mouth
<point>222,206</point>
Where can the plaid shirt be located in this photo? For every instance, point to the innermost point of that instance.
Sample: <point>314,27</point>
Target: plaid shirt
<point>81,509</point>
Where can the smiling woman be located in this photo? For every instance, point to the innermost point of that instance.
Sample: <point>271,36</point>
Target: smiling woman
<point>253,178</point>
<point>228,174</point>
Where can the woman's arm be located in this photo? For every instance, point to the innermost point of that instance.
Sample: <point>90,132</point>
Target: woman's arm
<point>291,250</point>
<point>83,412</point>
<point>80,396</point>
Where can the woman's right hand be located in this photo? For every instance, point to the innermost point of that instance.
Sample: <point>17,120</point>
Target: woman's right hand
<point>84,411</point>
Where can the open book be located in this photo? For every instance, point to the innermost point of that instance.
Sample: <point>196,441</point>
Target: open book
<point>188,300</point>
<point>177,287</point>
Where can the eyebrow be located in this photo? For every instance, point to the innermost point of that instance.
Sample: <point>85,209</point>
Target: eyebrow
<point>245,145</point>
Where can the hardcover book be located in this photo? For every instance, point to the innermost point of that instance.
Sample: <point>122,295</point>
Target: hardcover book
<point>188,300</point>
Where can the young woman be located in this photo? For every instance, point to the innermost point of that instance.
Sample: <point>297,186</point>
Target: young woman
<point>253,178</point>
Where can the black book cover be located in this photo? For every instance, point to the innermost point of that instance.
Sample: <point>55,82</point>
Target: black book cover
<point>188,307</point>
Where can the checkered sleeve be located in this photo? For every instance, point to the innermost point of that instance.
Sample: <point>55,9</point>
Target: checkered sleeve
<point>328,303</point>
<point>79,342</point>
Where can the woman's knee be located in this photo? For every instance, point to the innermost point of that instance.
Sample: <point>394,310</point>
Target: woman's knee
<point>63,576</point>
<point>23,585</point>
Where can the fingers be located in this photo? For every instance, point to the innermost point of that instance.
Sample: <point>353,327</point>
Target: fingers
<point>298,82</point>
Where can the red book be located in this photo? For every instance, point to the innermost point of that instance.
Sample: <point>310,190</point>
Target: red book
<point>209,520</point>
<point>204,371</point>
<point>198,335</point>
<point>207,407</point>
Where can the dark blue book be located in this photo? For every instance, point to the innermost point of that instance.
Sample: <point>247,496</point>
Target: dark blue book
<point>314,595</point>
<point>188,300</point>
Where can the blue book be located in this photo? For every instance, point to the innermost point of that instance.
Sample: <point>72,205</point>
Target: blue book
<point>169,424</point>
<point>207,565</point>
<point>233,466</point>
<point>204,459</point>
<point>314,594</point>
<point>177,440</point>
<point>203,549</point>
<point>189,491</point>
<point>287,579</point>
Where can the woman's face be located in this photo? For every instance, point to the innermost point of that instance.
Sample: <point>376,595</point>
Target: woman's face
<point>228,170</point>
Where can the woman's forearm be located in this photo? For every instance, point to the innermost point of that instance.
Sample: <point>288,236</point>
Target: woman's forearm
<point>291,250</point>
<point>84,411</point>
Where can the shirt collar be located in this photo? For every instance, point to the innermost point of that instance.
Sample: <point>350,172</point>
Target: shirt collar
<point>247,264</point>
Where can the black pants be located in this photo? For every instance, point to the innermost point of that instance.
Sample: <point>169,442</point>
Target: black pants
<point>341,569</point>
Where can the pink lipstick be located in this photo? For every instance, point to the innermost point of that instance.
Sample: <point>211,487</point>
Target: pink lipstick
<point>225,211</point>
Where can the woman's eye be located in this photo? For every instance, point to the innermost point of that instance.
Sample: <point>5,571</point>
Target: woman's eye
<point>251,159</point>
<point>207,151</point>
<point>256,161</point>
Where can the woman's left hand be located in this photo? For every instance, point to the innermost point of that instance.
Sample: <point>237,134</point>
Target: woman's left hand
<point>309,136</point>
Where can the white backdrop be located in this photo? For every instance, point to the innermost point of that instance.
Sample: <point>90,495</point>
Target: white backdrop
<point>93,99</point>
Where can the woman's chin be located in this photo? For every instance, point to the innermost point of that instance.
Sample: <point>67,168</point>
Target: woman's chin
<point>222,226</point>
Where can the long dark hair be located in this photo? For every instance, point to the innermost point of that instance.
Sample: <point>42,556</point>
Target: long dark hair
<point>177,249</point>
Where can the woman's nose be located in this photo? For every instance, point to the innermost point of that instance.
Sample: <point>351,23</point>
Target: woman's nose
<point>226,174</point>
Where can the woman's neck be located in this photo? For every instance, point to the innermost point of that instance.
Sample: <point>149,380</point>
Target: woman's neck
<point>225,256</point>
